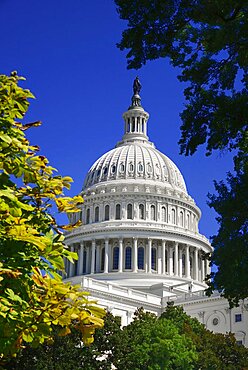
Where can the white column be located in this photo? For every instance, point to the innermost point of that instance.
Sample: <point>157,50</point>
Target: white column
<point>72,265</point>
<point>203,269</point>
<point>120,267</point>
<point>81,259</point>
<point>149,255</point>
<point>163,257</point>
<point>196,264</point>
<point>170,261</point>
<point>159,259</point>
<point>135,255</point>
<point>106,259</point>
<point>93,255</point>
<point>187,263</point>
<point>180,262</point>
<point>176,259</point>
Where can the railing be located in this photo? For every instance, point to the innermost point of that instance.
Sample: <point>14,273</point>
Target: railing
<point>107,287</point>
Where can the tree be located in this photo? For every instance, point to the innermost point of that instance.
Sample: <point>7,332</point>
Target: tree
<point>208,41</point>
<point>33,298</point>
<point>214,351</point>
<point>173,341</point>
<point>68,352</point>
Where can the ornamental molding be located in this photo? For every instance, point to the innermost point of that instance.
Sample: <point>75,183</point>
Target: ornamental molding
<point>120,299</point>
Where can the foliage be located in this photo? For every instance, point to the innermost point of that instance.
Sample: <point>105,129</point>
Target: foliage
<point>215,351</point>
<point>173,341</point>
<point>208,41</point>
<point>231,252</point>
<point>67,353</point>
<point>32,294</point>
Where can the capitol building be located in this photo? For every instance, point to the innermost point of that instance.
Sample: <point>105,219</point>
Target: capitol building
<point>139,243</point>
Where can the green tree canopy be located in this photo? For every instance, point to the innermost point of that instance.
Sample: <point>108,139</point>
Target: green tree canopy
<point>208,41</point>
<point>33,297</point>
<point>174,341</point>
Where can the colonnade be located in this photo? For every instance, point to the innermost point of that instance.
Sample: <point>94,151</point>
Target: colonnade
<point>138,255</point>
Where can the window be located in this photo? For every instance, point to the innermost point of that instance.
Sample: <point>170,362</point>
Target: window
<point>88,216</point>
<point>102,258</point>
<point>141,254</point>
<point>128,258</point>
<point>113,168</point>
<point>122,168</point>
<point>140,167</point>
<point>106,213</point>
<point>153,215</point>
<point>181,218</point>
<point>188,222</point>
<point>117,212</point>
<point>163,214</point>
<point>154,258</point>
<point>166,260</point>
<point>238,317</point>
<point>149,168</point>
<point>173,216</point>
<point>105,171</point>
<point>97,214</point>
<point>215,321</point>
<point>239,342</point>
<point>115,258</point>
<point>141,211</point>
<point>183,264</point>
<point>129,211</point>
<point>131,167</point>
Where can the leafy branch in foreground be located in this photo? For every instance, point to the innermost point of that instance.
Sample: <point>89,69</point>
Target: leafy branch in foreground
<point>33,297</point>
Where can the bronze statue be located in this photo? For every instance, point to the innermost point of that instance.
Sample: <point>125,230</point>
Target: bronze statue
<point>136,86</point>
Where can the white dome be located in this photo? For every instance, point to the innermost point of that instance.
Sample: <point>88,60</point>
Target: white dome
<point>137,161</point>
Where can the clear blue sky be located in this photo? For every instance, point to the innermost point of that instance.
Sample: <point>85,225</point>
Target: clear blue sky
<point>67,51</point>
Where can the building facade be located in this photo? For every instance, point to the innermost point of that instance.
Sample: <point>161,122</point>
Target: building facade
<point>139,244</point>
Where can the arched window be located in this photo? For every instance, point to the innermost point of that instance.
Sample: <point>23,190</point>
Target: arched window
<point>84,262</point>
<point>88,216</point>
<point>154,259</point>
<point>113,168</point>
<point>128,258</point>
<point>122,168</point>
<point>97,214</point>
<point>117,212</point>
<point>129,211</point>
<point>188,222</point>
<point>183,264</point>
<point>106,213</point>
<point>131,167</point>
<point>173,216</point>
<point>115,258</point>
<point>140,167</point>
<point>149,168</point>
<point>141,211</point>
<point>153,215</point>
<point>141,255</point>
<point>102,258</point>
<point>163,214</point>
<point>181,218</point>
